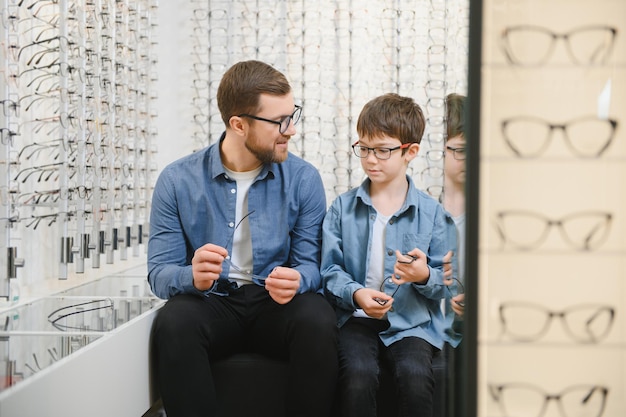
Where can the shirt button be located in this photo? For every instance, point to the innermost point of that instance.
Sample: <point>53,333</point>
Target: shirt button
<point>233,191</point>
<point>391,221</point>
<point>389,252</point>
<point>231,224</point>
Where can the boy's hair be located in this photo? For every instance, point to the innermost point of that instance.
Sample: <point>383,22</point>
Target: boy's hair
<point>455,115</point>
<point>243,83</point>
<point>394,116</point>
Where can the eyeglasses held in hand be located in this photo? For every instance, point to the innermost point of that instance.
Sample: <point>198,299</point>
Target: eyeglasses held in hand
<point>586,137</point>
<point>390,281</point>
<point>382,289</point>
<point>458,289</point>
<point>283,123</point>
<point>380,153</point>
<point>245,275</point>
<point>527,322</point>
<point>522,399</point>
<point>529,45</point>
<point>527,230</point>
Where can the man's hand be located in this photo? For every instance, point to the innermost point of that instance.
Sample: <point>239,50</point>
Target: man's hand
<point>282,284</point>
<point>206,265</point>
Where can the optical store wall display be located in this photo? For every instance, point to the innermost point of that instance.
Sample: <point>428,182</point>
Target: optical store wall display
<point>552,247</point>
<point>77,125</point>
<point>337,55</point>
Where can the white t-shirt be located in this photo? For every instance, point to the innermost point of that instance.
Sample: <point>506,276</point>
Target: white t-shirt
<point>376,266</point>
<point>241,254</point>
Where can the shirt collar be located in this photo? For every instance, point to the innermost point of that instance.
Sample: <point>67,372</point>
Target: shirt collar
<point>411,201</point>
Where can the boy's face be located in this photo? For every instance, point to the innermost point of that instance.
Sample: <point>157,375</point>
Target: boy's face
<point>386,170</point>
<point>454,169</point>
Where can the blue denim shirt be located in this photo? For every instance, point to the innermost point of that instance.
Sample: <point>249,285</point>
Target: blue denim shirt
<point>194,203</point>
<point>346,246</point>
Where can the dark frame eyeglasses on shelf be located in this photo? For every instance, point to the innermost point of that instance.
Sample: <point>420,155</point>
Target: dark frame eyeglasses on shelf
<point>524,399</point>
<point>586,136</point>
<point>527,230</point>
<point>530,45</point>
<point>529,322</point>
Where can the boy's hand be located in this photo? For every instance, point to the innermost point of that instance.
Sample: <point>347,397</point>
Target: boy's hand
<point>411,267</point>
<point>375,303</point>
<point>458,304</point>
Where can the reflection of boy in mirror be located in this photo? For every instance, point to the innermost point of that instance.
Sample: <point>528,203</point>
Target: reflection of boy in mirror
<point>453,198</point>
<point>386,253</point>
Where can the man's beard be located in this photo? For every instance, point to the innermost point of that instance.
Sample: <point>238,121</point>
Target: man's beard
<point>266,156</point>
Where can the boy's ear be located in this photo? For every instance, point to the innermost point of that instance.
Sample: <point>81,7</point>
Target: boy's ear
<point>412,151</point>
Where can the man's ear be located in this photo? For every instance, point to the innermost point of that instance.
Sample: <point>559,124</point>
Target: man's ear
<point>238,125</point>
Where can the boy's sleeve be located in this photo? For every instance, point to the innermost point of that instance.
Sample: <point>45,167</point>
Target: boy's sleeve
<point>339,286</point>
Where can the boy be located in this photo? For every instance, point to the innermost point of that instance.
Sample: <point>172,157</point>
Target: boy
<point>453,197</point>
<point>386,249</point>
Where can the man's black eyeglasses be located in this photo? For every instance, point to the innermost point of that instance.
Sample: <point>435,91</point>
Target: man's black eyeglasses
<point>283,123</point>
<point>379,153</point>
<point>458,153</point>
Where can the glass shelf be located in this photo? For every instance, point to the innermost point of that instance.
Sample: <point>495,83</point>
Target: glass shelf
<point>35,335</point>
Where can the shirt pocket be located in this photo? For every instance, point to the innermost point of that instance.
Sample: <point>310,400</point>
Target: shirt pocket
<point>411,241</point>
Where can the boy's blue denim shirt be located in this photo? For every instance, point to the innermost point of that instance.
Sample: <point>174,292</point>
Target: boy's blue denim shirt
<point>193,204</point>
<point>346,246</point>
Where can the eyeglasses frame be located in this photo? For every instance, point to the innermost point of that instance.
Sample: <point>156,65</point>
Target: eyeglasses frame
<point>356,144</point>
<point>293,117</point>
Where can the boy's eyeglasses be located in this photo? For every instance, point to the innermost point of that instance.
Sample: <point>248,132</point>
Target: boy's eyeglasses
<point>457,153</point>
<point>283,123</point>
<point>379,153</point>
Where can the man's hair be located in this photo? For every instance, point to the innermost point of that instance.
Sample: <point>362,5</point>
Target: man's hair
<point>455,115</point>
<point>394,116</point>
<point>242,85</point>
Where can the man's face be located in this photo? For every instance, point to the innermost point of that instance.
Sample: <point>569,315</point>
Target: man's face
<point>264,139</point>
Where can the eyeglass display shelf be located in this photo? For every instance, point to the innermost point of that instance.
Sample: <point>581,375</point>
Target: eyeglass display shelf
<point>77,349</point>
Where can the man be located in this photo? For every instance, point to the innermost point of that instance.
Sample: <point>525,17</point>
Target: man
<point>234,247</point>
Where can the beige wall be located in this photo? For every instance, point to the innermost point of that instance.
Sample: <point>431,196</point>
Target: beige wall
<point>585,268</point>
